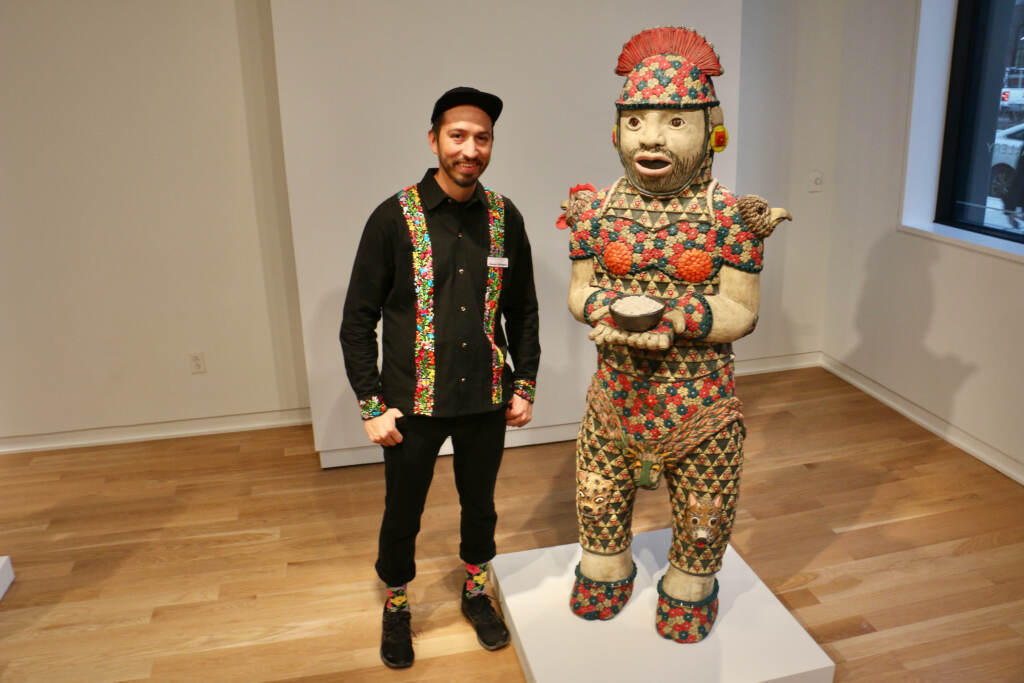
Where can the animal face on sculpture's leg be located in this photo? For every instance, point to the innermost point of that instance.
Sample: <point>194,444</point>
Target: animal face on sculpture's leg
<point>666,267</point>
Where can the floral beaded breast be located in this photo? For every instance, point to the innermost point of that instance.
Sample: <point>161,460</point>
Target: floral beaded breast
<point>687,238</point>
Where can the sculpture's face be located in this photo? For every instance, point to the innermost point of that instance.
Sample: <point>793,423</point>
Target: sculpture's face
<point>463,144</point>
<point>662,149</point>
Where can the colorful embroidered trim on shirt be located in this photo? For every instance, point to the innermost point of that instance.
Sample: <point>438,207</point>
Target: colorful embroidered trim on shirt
<point>496,225</point>
<point>423,279</point>
<point>525,388</point>
<point>372,407</point>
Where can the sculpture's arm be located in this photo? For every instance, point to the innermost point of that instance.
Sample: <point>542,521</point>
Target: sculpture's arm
<point>580,288</point>
<point>733,309</point>
<point>590,305</point>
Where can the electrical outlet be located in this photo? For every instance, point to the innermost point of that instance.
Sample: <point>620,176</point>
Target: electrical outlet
<point>197,363</point>
<point>815,181</point>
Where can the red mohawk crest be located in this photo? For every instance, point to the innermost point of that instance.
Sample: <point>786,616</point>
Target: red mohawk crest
<point>669,40</point>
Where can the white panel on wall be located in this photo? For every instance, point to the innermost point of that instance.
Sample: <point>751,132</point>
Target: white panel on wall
<point>143,217</point>
<point>357,81</point>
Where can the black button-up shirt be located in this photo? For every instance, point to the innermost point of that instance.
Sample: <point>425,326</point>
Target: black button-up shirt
<point>382,284</point>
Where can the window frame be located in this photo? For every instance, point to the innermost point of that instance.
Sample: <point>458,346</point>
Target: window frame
<point>926,132</point>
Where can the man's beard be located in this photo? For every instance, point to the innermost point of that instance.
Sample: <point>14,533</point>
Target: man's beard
<point>459,177</point>
<point>683,171</point>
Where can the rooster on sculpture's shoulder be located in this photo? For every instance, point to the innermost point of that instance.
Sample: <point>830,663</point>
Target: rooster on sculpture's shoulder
<point>758,217</point>
<point>580,197</point>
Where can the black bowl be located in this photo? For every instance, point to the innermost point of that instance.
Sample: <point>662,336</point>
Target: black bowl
<point>636,322</point>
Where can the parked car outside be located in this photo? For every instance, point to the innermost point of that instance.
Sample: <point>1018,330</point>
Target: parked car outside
<point>1005,153</point>
<point>1011,97</point>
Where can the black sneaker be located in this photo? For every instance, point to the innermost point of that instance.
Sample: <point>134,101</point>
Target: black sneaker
<point>396,639</point>
<point>491,632</point>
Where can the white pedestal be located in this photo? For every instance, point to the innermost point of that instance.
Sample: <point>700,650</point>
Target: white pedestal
<point>6,575</point>
<point>754,638</point>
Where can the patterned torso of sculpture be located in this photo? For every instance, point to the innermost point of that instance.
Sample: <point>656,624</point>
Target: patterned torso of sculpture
<point>661,404</point>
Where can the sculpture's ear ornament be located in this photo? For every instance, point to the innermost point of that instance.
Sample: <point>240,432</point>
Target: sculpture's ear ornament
<point>719,138</point>
<point>758,217</point>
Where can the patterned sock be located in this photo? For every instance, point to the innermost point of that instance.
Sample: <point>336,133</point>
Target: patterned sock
<point>397,600</point>
<point>476,580</point>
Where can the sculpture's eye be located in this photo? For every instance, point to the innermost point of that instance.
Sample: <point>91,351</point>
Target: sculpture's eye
<point>633,122</point>
<point>713,521</point>
<point>676,122</point>
<point>599,500</point>
<point>694,521</point>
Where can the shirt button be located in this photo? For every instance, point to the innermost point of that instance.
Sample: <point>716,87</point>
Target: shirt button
<point>460,235</point>
<point>462,308</point>
<point>462,379</point>
<point>464,344</point>
<point>462,271</point>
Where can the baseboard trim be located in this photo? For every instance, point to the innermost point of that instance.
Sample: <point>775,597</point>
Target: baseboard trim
<point>974,446</point>
<point>160,430</point>
<point>793,361</point>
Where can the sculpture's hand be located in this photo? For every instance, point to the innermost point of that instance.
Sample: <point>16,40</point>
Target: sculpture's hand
<point>605,334</point>
<point>677,319</point>
<point>658,339</point>
<point>652,340</point>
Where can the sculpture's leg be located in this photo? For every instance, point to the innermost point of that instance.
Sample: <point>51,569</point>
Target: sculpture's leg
<point>704,488</point>
<point>604,507</point>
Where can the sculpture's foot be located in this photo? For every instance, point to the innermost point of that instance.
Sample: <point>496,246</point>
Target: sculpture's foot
<point>600,599</point>
<point>685,622</point>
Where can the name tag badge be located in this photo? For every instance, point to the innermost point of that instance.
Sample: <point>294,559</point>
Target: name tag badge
<point>497,262</point>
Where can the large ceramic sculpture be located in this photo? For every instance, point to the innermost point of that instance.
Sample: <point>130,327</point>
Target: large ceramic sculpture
<point>665,268</point>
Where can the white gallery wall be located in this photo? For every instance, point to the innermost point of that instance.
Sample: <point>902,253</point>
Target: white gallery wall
<point>143,217</point>
<point>357,81</point>
<point>144,210</point>
<point>935,323</point>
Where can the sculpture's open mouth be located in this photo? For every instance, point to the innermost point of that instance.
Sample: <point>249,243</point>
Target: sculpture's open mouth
<point>652,164</point>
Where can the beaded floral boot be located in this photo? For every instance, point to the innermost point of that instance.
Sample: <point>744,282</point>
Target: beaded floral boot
<point>685,622</point>
<point>600,599</point>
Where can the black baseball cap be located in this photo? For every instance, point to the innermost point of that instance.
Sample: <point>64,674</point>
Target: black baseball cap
<point>491,104</point>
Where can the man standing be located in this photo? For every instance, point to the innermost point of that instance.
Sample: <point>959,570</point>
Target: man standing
<point>444,262</point>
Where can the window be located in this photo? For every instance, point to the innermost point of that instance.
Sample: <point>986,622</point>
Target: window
<point>981,181</point>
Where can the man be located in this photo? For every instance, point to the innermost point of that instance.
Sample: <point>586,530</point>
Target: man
<point>443,261</point>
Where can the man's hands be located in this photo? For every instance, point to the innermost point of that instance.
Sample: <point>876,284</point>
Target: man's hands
<point>518,412</point>
<point>382,430</point>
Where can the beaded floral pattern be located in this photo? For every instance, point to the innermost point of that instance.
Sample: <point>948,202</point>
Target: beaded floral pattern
<point>666,81</point>
<point>647,410</point>
<point>525,388</point>
<point>666,236</point>
<point>602,600</point>
<point>372,407</point>
<point>423,279</point>
<point>685,622</point>
<point>496,226</point>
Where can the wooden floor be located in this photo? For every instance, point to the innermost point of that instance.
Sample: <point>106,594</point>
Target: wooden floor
<point>236,558</point>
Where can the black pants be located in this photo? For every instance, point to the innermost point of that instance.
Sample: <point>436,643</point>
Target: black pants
<point>478,442</point>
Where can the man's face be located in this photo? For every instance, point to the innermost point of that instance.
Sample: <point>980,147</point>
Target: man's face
<point>463,144</point>
<point>661,149</point>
